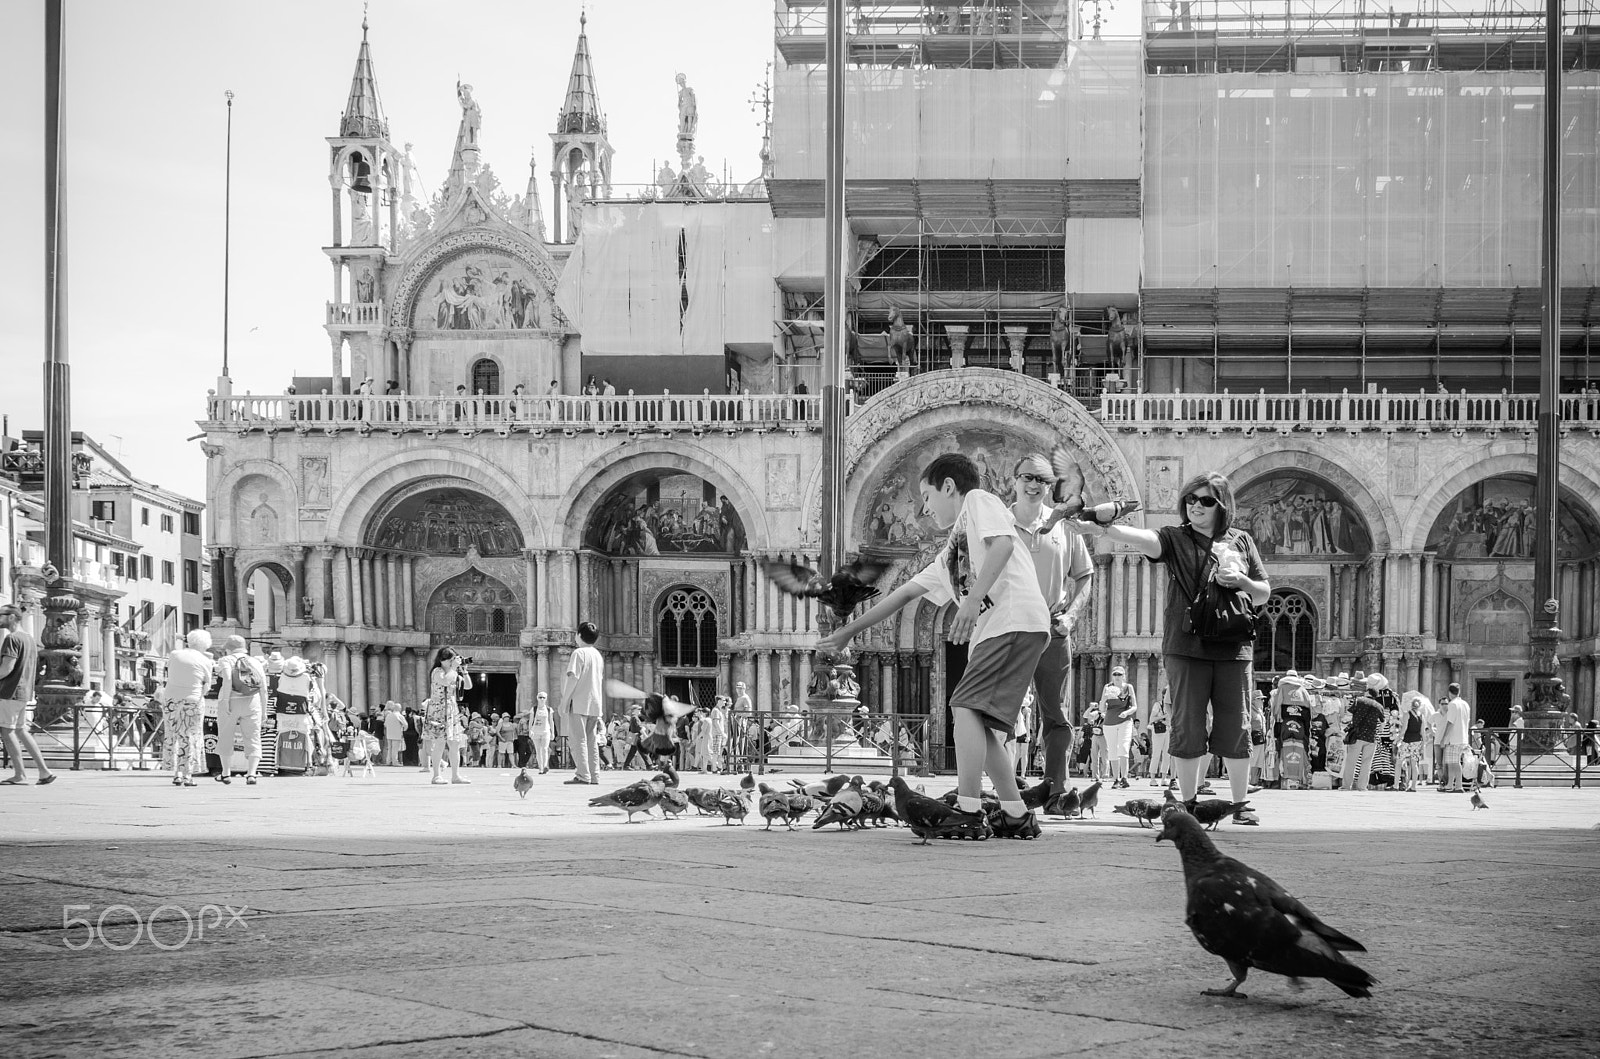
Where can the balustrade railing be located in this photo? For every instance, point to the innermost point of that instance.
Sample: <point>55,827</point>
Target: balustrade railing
<point>361,314</point>
<point>1317,412</point>
<point>523,412</point>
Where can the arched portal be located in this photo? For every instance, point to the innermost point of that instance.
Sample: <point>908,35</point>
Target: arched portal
<point>659,512</point>
<point>268,590</point>
<point>1493,519</point>
<point>474,608</point>
<point>1293,514</point>
<point>445,520</point>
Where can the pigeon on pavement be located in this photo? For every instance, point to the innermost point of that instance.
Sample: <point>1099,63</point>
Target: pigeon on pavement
<point>1038,795</point>
<point>849,586</point>
<point>785,805</point>
<point>1239,914</point>
<point>1477,800</point>
<point>1213,811</point>
<point>844,809</point>
<point>707,801</point>
<point>1141,809</point>
<point>523,783</point>
<point>821,791</point>
<point>932,818</point>
<point>673,802</point>
<point>1064,804</point>
<point>1089,798</point>
<point>734,805</point>
<point>638,797</point>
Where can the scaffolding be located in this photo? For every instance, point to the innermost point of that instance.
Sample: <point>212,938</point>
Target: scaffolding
<point>987,34</point>
<point>1361,36</point>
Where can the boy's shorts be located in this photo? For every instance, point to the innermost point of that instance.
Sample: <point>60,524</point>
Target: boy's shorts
<point>999,671</point>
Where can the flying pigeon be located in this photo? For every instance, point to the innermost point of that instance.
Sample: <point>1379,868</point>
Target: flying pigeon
<point>523,783</point>
<point>1213,811</point>
<point>638,797</point>
<point>734,805</point>
<point>1141,809</point>
<point>824,791</point>
<point>1089,798</point>
<point>1477,800</point>
<point>673,802</point>
<point>1064,804</point>
<point>1072,502</point>
<point>1250,921</point>
<point>788,806</point>
<point>842,593</point>
<point>931,818</point>
<point>844,809</point>
<point>670,707</point>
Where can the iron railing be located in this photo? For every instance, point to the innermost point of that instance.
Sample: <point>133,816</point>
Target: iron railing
<point>1540,753</point>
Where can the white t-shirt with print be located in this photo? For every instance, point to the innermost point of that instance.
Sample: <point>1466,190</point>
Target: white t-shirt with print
<point>1014,603</point>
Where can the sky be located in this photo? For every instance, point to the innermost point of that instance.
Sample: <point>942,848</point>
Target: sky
<point>146,130</point>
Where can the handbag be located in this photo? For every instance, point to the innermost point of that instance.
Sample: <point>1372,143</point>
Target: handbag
<point>1216,612</point>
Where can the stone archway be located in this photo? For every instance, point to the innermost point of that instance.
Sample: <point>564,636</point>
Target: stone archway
<point>352,512</point>
<point>1380,524</point>
<point>593,487</point>
<point>270,591</point>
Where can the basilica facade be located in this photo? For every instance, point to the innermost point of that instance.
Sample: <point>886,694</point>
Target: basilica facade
<point>616,421</point>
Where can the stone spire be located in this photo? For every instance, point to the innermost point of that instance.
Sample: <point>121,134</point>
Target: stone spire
<point>464,162</point>
<point>363,114</point>
<point>532,215</point>
<point>580,111</point>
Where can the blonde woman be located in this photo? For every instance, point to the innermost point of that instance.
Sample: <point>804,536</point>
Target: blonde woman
<point>189,674</point>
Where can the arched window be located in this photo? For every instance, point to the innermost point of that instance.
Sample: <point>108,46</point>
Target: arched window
<point>687,627</point>
<point>498,624</point>
<point>461,619</point>
<point>1287,636</point>
<point>485,376</point>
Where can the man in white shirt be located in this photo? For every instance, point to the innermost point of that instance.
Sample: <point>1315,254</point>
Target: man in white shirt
<point>989,574</point>
<point>244,681</point>
<point>1453,737</point>
<point>581,705</point>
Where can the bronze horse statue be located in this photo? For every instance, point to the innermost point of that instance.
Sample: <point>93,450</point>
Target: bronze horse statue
<point>1122,338</point>
<point>1064,341</point>
<point>902,343</point>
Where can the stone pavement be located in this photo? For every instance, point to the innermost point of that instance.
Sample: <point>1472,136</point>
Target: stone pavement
<point>386,917</point>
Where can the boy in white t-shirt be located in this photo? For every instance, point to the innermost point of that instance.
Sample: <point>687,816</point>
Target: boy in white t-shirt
<point>1003,616</point>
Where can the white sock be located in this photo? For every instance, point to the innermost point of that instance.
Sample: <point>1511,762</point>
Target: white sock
<point>1016,808</point>
<point>968,805</point>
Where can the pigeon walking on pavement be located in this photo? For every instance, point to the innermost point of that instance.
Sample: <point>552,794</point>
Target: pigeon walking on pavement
<point>1089,799</point>
<point>932,818</point>
<point>1141,809</point>
<point>638,797</point>
<point>1477,799</point>
<point>787,805</point>
<point>1067,804</point>
<point>844,809</point>
<point>1239,914</point>
<point>523,783</point>
<point>673,802</point>
<point>734,805</point>
<point>1212,811</point>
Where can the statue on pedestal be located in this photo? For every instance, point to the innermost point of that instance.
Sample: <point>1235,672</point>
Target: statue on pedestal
<point>688,118</point>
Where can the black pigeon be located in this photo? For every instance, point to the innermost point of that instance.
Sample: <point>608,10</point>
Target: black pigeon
<point>1071,501</point>
<point>842,593</point>
<point>1037,796</point>
<point>786,805</point>
<point>1064,804</point>
<point>1089,798</point>
<point>1477,800</point>
<point>1250,921</point>
<point>931,818</point>
<point>638,797</point>
<point>523,783</point>
<point>1141,809</point>
<point>1213,811</point>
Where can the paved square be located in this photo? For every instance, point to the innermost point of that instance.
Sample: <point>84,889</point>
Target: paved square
<point>386,917</point>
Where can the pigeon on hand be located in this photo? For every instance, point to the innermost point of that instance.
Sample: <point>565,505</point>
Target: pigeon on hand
<point>1250,921</point>
<point>844,809</point>
<point>523,783</point>
<point>638,797</point>
<point>1213,811</point>
<point>849,586</point>
<point>1089,798</point>
<point>785,805</point>
<point>932,818</point>
<point>1072,502</point>
<point>1141,809</point>
<point>1477,799</point>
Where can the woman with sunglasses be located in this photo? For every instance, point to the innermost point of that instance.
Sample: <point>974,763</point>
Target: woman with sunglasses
<point>1202,673</point>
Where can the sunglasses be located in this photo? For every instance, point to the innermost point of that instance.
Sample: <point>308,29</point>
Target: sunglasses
<point>1042,479</point>
<point>1190,499</point>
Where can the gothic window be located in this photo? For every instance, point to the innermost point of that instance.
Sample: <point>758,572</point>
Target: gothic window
<point>687,628</point>
<point>485,376</point>
<point>499,622</point>
<point>1287,635</point>
<point>461,619</point>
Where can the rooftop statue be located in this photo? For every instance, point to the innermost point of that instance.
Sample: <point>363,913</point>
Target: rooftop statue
<point>471,118</point>
<point>688,111</point>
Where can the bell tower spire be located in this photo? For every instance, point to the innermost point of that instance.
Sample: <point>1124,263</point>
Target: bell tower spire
<point>581,155</point>
<point>364,174</point>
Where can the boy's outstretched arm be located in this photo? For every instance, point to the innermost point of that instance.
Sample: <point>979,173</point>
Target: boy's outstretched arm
<point>876,613</point>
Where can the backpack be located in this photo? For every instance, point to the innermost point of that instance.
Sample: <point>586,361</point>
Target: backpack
<point>243,681</point>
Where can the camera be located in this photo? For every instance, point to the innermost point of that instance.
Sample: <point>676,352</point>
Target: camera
<point>467,660</point>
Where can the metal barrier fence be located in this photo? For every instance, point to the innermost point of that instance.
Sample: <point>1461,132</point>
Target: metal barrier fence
<point>1542,753</point>
<point>832,740</point>
<point>100,736</point>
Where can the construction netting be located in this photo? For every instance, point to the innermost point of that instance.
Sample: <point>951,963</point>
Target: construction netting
<point>670,277</point>
<point>1402,179</point>
<point>1078,120</point>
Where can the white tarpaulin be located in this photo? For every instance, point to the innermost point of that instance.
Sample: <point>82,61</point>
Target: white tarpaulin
<point>670,277</point>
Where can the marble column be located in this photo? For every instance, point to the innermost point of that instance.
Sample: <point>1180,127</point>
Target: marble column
<point>298,611</point>
<point>408,590</point>
<point>424,671</point>
<point>108,648</point>
<point>1374,587</point>
<point>356,695</point>
<point>530,589</point>
<point>541,678</point>
<point>391,592</point>
<point>542,564</point>
<point>376,676</point>
<point>342,599</point>
<point>393,691</point>
<point>580,605</point>
<point>761,691</point>
<point>525,680</point>
<point>1428,589</point>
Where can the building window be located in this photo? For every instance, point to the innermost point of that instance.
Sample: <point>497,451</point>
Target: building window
<point>1287,634</point>
<point>169,573</point>
<point>166,523</point>
<point>147,612</point>
<point>146,568</point>
<point>116,563</point>
<point>485,376</point>
<point>687,627</point>
<point>191,576</point>
<point>144,516</point>
<point>191,622</point>
<point>103,510</point>
<point>191,523</point>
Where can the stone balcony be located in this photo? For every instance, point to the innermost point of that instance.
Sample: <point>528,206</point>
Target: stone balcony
<point>1351,413</point>
<point>535,415</point>
<point>356,314</point>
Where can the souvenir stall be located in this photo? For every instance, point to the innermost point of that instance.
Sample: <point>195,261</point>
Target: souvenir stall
<point>291,707</point>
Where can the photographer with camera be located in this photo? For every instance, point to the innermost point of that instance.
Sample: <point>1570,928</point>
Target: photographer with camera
<point>442,717</point>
